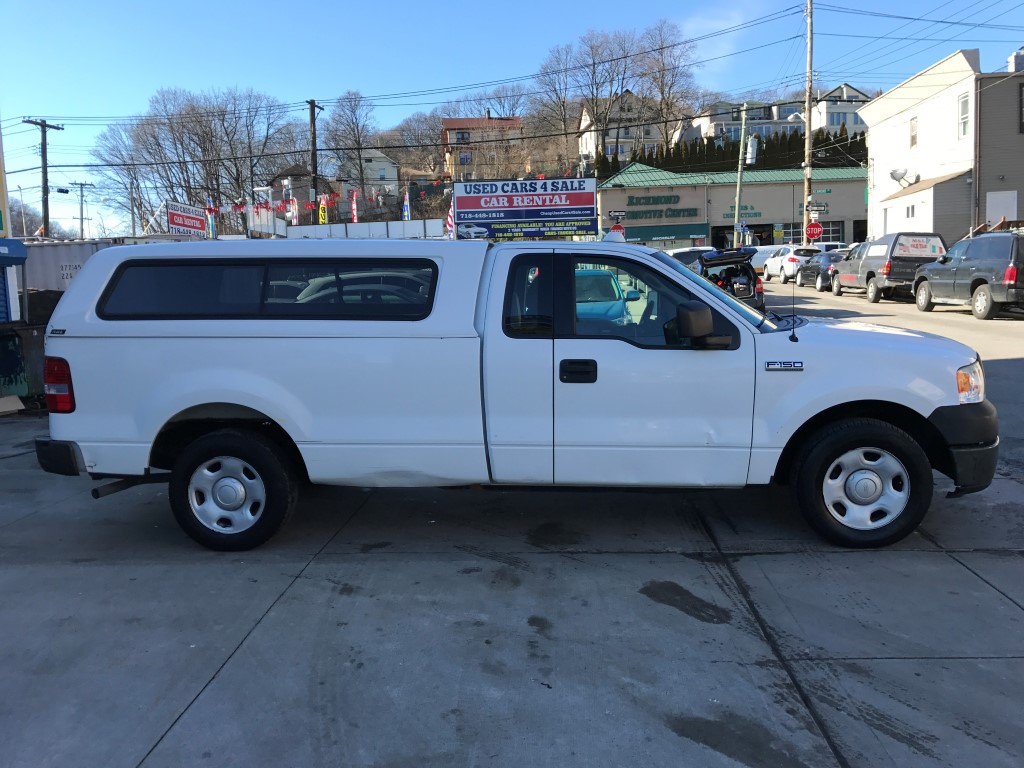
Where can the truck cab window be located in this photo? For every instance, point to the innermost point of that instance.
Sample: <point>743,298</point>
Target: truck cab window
<point>528,303</point>
<point>620,299</point>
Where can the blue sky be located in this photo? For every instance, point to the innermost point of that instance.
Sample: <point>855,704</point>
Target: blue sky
<point>83,63</point>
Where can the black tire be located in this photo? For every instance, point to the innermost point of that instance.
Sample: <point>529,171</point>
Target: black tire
<point>783,277</point>
<point>252,470</point>
<point>799,279</point>
<point>837,288</point>
<point>982,305</point>
<point>819,283</point>
<point>876,457</point>
<point>767,275</point>
<point>874,293</point>
<point>923,297</point>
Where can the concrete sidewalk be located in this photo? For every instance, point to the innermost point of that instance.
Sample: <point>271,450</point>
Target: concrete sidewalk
<point>443,628</point>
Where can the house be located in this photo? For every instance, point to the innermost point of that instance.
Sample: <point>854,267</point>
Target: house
<point>483,147</point>
<point>627,126</point>
<point>379,177</point>
<point>829,111</point>
<point>946,149</point>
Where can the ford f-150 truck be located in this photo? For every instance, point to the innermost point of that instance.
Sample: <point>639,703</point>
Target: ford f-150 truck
<point>236,371</point>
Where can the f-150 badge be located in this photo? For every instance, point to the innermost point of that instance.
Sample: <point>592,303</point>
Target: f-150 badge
<point>784,365</point>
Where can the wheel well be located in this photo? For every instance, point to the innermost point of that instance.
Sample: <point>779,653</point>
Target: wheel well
<point>193,423</point>
<point>976,283</point>
<point>868,276</point>
<point>910,421</point>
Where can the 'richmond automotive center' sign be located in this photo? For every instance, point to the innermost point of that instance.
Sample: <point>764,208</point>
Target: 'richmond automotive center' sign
<point>512,210</point>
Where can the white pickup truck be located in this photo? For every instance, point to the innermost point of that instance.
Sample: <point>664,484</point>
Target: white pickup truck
<point>239,370</point>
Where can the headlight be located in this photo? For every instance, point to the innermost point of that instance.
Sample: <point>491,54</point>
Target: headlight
<point>970,383</point>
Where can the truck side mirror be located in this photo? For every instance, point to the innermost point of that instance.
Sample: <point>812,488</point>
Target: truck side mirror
<point>693,323</point>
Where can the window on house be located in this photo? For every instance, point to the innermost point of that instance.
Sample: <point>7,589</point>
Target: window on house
<point>465,158</point>
<point>913,131</point>
<point>461,137</point>
<point>964,111</point>
<point>910,211</point>
<point>647,131</point>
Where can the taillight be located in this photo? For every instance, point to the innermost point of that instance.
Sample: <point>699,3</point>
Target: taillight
<point>887,267</point>
<point>793,260</point>
<point>60,395</point>
<point>1010,275</point>
<point>759,286</point>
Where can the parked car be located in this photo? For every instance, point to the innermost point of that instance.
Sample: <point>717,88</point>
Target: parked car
<point>600,297</point>
<point>784,263</point>
<point>689,257</point>
<point>730,269</point>
<point>887,266</point>
<point>472,231</point>
<point>986,271</point>
<point>830,245</point>
<point>817,270</point>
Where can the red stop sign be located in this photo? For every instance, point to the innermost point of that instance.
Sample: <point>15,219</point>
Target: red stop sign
<point>621,229</point>
<point>813,230</point>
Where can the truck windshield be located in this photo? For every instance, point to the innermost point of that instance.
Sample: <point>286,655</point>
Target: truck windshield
<point>748,313</point>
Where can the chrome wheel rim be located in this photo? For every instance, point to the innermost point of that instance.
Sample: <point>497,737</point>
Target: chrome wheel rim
<point>226,494</point>
<point>866,489</point>
<point>980,302</point>
<point>922,298</point>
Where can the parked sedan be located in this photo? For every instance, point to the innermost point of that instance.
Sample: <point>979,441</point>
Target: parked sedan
<point>784,262</point>
<point>817,270</point>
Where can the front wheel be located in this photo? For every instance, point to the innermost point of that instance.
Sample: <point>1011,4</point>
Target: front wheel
<point>982,305</point>
<point>767,275</point>
<point>232,489</point>
<point>799,279</point>
<point>862,483</point>
<point>874,293</point>
<point>923,297</point>
<point>837,288</point>
<point>819,283</point>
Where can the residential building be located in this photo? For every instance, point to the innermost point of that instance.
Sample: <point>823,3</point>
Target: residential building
<point>674,210</point>
<point>379,174</point>
<point>829,111</point>
<point>628,126</point>
<point>484,148</point>
<point>946,149</point>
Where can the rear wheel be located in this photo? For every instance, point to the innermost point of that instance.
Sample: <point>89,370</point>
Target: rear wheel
<point>837,289</point>
<point>874,293</point>
<point>232,489</point>
<point>982,305</point>
<point>923,297</point>
<point>783,277</point>
<point>862,483</point>
<point>819,283</point>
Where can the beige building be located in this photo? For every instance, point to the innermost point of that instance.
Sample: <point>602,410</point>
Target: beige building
<point>674,210</point>
<point>946,149</point>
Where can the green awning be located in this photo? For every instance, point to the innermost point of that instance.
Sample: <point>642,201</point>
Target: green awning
<point>637,234</point>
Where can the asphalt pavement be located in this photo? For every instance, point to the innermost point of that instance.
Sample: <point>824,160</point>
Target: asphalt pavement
<point>518,628</point>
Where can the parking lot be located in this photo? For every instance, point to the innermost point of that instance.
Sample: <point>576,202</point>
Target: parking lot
<point>520,628</point>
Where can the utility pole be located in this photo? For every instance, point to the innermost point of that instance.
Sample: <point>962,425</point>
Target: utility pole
<point>43,126</point>
<point>313,197</point>
<point>81,206</point>
<point>737,240</point>
<point>808,135</point>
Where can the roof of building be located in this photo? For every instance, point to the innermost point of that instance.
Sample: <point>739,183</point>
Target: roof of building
<point>920,186</point>
<point>458,123</point>
<point>640,175</point>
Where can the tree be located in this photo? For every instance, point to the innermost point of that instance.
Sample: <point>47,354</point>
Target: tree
<point>666,77</point>
<point>350,133</point>
<point>26,221</point>
<point>189,148</point>
<point>415,142</point>
<point>553,112</point>
<point>603,69</point>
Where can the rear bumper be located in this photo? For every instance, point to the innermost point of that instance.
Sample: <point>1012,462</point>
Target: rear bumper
<point>1009,296</point>
<point>971,434</point>
<point>59,457</point>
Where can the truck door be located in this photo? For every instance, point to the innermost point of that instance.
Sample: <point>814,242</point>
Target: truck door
<point>519,372</point>
<point>629,407</point>
<point>944,279</point>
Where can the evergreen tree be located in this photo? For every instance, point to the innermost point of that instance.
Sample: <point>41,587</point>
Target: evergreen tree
<point>615,167</point>
<point>659,157</point>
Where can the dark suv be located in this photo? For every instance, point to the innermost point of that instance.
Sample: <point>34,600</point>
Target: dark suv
<point>986,271</point>
<point>885,267</point>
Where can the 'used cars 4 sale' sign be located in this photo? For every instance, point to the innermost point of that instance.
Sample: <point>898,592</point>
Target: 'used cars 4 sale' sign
<point>512,210</point>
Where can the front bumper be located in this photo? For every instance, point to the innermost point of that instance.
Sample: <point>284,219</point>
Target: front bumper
<point>971,435</point>
<point>59,457</point>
